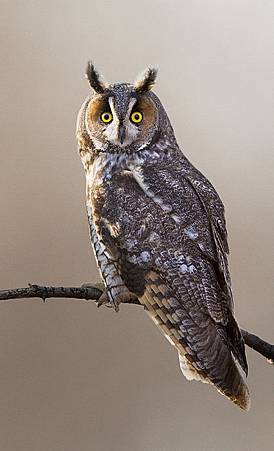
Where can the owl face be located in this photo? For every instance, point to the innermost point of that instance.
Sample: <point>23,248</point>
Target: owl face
<point>121,117</point>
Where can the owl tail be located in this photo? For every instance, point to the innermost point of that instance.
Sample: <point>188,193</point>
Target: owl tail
<point>204,350</point>
<point>211,360</point>
<point>231,385</point>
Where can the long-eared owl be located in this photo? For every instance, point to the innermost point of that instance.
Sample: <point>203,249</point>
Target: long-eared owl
<point>158,230</point>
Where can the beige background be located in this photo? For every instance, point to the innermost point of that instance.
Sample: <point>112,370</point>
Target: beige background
<point>76,378</point>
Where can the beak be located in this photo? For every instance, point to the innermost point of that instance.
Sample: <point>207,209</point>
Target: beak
<point>122,133</point>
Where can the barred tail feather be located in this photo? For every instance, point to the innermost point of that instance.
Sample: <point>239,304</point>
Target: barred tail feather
<point>232,385</point>
<point>219,367</point>
<point>203,352</point>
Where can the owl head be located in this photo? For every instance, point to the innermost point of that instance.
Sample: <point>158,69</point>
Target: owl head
<point>120,117</point>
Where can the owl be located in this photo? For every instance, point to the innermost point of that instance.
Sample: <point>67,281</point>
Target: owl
<point>158,230</point>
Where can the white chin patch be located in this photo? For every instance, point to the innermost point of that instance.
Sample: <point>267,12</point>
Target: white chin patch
<point>131,133</point>
<point>111,134</point>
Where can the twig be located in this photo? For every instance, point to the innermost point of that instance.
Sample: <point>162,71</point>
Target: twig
<point>36,291</point>
<point>259,345</point>
<point>94,292</point>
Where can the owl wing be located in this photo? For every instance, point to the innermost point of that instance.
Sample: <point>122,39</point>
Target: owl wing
<point>214,209</point>
<point>191,199</point>
<point>166,253</point>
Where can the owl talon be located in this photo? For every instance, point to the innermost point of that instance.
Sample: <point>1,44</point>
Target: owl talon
<point>123,298</point>
<point>104,300</point>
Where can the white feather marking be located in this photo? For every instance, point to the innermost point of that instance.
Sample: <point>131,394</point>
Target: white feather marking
<point>188,371</point>
<point>145,256</point>
<point>139,177</point>
<point>114,228</point>
<point>191,232</point>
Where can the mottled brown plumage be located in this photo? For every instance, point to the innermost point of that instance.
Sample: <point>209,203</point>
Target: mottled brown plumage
<point>159,233</point>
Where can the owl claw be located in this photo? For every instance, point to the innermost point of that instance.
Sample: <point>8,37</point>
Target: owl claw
<point>105,300</point>
<point>123,298</point>
<point>110,300</point>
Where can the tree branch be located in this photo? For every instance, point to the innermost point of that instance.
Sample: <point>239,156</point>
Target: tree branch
<point>88,293</point>
<point>93,293</point>
<point>259,345</point>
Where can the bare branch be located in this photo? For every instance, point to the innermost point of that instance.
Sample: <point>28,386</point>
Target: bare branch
<point>259,345</point>
<point>87,293</point>
<point>93,293</point>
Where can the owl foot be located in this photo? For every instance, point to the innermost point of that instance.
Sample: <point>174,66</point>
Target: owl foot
<point>104,298</point>
<point>112,297</point>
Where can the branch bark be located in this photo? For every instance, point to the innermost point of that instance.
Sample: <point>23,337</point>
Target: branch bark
<point>94,292</point>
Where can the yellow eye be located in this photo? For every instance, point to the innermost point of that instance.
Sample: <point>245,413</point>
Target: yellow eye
<point>136,117</point>
<point>106,117</point>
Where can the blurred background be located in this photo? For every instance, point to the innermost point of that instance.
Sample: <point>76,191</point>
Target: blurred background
<point>74,377</point>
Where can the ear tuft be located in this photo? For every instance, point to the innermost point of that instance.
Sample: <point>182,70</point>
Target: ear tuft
<point>95,79</point>
<point>146,80</point>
